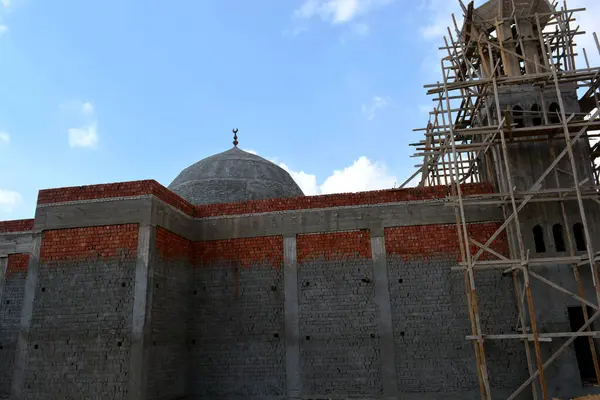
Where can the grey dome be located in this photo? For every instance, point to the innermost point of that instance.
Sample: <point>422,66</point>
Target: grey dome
<point>233,176</point>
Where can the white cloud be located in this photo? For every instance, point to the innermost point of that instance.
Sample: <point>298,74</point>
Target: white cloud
<point>9,199</point>
<point>587,20</point>
<point>361,29</point>
<point>337,11</point>
<point>86,134</point>
<point>4,138</point>
<point>83,137</point>
<point>378,103</point>
<point>4,10</point>
<point>437,16</point>
<point>362,175</point>
<point>87,108</point>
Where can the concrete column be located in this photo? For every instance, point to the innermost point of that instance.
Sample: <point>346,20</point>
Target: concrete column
<point>142,304</point>
<point>33,270</point>
<point>386,329</point>
<point>292,324</point>
<point>3,266</point>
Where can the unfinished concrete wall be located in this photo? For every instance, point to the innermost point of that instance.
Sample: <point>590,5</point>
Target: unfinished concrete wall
<point>339,324</point>
<point>13,271</point>
<point>430,315</point>
<point>241,321</point>
<point>169,315</point>
<point>80,321</point>
<point>237,333</point>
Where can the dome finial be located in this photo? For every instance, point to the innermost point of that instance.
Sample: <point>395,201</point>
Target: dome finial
<point>235,141</point>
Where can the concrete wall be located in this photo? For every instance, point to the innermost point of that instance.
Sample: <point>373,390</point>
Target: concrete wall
<point>13,270</point>
<point>170,312</point>
<point>339,324</point>
<point>224,303</point>
<point>237,332</point>
<point>76,317</point>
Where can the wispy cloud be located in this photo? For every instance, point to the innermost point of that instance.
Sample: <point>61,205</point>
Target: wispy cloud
<point>83,137</point>
<point>588,21</point>
<point>86,134</point>
<point>4,9</point>
<point>361,175</point>
<point>361,29</point>
<point>377,104</point>
<point>337,11</point>
<point>9,200</point>
<point>87,108</point>
<point>437,17</point>
<point>4,138</point>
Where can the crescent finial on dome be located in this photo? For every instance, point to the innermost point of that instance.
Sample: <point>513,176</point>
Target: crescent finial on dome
<point>235,138</point>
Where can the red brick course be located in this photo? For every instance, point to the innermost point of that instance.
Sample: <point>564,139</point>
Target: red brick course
<point>335,246</point>
<point>246,251</point>
<point>18,225</point>
<point>412,242</point>
<point>137,188</point>
<point>78,244</point>
<point>336,200</point>
<point>17,263</point>
<point>172,246</point>
<point>111,190</point>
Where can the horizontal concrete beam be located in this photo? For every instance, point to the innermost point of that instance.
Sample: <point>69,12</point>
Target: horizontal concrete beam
<point>16,243</point>
<point>94,213</point>
<point>340,219</point>
<point>152,211</point>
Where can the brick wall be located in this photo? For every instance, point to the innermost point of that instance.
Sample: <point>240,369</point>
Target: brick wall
<point>81,320</point>
<point>111,241</point>
<point>10,315</point>
<point>334,246</point>
<point>114,190</point>
<point>171,296</point>
<point>339,325</point>
<point>244,252</point>
<point>237,332</point>
<point>139,188</point>
<point>336,200</point>
<point>18,225</point>
<point>422,241</point>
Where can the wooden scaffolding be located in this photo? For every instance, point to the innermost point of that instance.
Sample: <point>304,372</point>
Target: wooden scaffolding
<point>467,139</point>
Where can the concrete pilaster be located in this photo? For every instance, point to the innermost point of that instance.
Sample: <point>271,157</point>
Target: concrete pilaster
<point>3,266</point>
<point>292,324</point>
<point>386,329</point>
<point>33,269</point>
<point>142,304</point>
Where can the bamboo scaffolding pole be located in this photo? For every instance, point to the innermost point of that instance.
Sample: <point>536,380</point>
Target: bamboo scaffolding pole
<point>474,312</point>
<point>467,128</point>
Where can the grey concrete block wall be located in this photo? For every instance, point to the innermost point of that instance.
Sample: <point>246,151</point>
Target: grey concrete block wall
<point>339,329</point>
<point>237,332</point>
<point>168,344</point>
<point>80,327</point>
<point>431,321</point>
<point>11,301</point>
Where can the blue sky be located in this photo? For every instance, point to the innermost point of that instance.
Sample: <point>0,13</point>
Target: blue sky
<point>117,90</point>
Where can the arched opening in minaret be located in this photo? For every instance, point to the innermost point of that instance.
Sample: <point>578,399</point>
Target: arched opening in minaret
<point>536,117</point>
<point>538,238</point>
<point>554,113</point>
<point>559,240</point>
<point>579,235</point>
<point>518,117</point>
